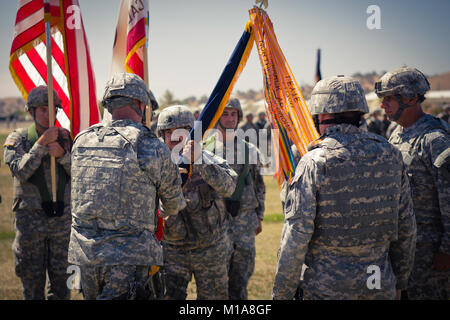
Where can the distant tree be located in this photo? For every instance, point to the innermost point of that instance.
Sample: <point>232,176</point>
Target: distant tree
<point>203,99</point>
<point>190,101</point>
<point>168,99</point>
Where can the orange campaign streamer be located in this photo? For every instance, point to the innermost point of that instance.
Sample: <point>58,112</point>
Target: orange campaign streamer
<point>286,106</point>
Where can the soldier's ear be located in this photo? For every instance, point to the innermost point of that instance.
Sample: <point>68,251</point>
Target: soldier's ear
<point>412,102</point>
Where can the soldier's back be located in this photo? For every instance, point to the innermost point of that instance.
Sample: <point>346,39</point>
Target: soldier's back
<point>357,216</point>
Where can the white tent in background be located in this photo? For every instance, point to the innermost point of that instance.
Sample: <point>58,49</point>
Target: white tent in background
<point>434,96</point>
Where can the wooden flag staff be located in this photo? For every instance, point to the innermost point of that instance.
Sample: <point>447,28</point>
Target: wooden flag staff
<point>148,114</point>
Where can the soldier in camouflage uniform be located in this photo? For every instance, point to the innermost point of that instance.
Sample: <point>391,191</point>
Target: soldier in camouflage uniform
<point>120,171</point>
<point>42,234</point>
<point>246,210</point>
<point>196,240</point>
<point>348,209</point>
<point>424,142</point>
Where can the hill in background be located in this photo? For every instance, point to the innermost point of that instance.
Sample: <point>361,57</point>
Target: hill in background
<point>13,107</point>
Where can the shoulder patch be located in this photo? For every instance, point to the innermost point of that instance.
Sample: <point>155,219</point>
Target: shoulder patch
<point>10,142</point>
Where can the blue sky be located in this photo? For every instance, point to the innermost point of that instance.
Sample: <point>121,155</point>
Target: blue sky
<point>191,41</point>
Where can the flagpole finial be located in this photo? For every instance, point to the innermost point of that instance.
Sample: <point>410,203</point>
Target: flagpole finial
<point>262,3</point>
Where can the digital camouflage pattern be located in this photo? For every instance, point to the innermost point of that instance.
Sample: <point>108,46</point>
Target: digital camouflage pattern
<point>348,207</point>
<point>425,147</point>
<point>424,282</point>
<point>175,117</point>
<point>119,171</point>
<point>38,97</point>
<point>119,282</point>
<point>336,95</point>
<point>41,242</point>
<point>405,81</point>
<point>128,85</point>
<point>204,219</point>
<point>209,266</point>
<point>196,240</point>
<point>243,226</point>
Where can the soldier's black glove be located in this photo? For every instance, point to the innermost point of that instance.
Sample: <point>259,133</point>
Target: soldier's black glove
<point>53,209</point>
<point>233,207</point>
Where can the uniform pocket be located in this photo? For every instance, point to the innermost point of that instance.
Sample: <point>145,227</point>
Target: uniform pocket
<point>96,186</point>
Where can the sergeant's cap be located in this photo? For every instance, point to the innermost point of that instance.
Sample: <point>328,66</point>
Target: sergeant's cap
<point>129,85</point>
<point>38,97</point>
<point>337,94</point>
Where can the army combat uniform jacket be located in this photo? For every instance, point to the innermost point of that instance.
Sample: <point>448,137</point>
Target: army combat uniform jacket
<point>41,241</point>
<point>196,240</point>
<point>425,147</point>
<point>348,212</point>
<point>204,220</point>
<point>120,171</point>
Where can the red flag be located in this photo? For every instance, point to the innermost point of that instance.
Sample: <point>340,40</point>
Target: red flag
<point>73,77</point>
<point>131,38</point>
<point>129,52</point>
<point>130,42</point>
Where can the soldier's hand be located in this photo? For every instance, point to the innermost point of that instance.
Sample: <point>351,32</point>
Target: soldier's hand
<point>259,228</point>
<point>183,170</point>
<point>441,262</point>
<point>50,135</point>
<point>55,150</point>
<point>192,151</point>
<point>66,139</point>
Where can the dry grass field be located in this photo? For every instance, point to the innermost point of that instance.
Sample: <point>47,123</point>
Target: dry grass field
<point>267,242</point>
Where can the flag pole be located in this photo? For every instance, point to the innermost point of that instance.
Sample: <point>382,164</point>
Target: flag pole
<point>51,106</point>
<point>148,115</point>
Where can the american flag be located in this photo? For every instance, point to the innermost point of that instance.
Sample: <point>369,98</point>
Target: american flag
<point>73,77</point>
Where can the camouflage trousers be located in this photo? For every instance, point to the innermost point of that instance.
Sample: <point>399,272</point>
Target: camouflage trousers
<point>242,263</point>
<point>425,283</point>
<point>40,249</point>
<point>118,282</point>
<point>208,265</point>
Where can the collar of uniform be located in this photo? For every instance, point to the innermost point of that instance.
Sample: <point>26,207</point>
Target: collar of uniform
<point>123,123</point>
<point>417,126</point>
<point>341,129</point>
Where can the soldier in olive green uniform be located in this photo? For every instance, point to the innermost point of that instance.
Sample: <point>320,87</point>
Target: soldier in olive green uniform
<point>42,231</point>
<point>424,142</point>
